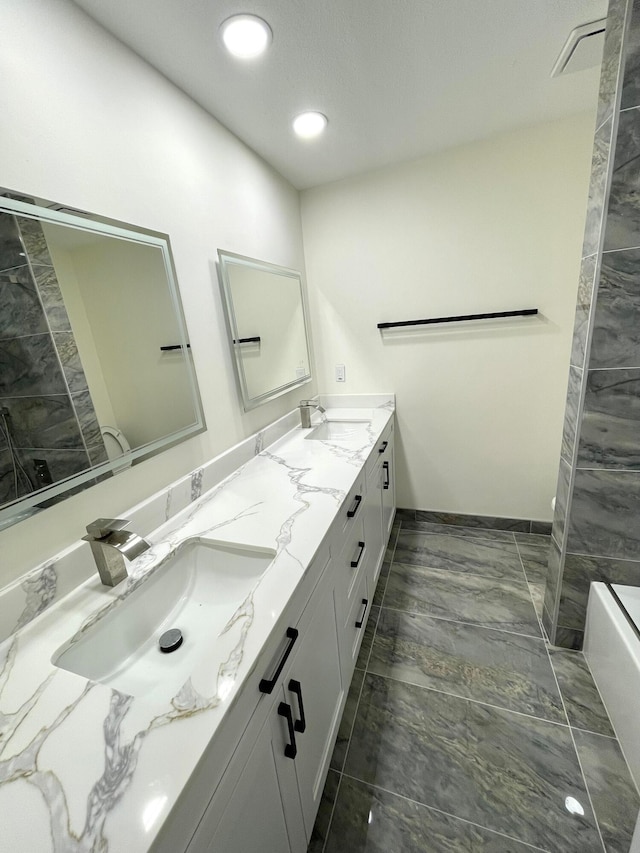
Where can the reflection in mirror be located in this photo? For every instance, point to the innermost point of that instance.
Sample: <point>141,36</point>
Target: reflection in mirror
<point>86,389</point>
<point>268,325</point>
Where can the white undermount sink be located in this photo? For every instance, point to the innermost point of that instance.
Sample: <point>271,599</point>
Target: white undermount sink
<point>197,590</point>
<point>337,429</point>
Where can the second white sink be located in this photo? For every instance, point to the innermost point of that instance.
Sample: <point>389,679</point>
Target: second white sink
<point>331,430</point>
<point>197,590</point>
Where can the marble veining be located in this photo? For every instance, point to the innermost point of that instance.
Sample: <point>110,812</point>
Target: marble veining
<point>572,405</point>
<point>493,559</point>
<point>584,298</point>
<point>611,420</point>
<point>597,186</point>
<point>196,484</point>
<point>604,513</point>
<point>581,698</point>
<point>284,498</point>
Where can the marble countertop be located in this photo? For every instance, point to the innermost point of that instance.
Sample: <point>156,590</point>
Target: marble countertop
<point>84,767</point>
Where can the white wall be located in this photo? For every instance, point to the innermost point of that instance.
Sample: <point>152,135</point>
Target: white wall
<point>89,124</point>
<point>492,226</point>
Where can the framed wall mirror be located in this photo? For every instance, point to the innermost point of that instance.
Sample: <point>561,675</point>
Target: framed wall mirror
<point>268,327</point>
<point>95,367</point>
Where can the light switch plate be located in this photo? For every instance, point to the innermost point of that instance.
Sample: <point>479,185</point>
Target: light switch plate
<point>340,373</point>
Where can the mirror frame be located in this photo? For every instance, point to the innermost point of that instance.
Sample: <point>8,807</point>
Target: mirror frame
<point>57,214</point>
<point>227,259</point>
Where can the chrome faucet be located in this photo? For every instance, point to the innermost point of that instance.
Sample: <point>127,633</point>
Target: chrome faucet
<point>110,544</point>
<point>305,411</point>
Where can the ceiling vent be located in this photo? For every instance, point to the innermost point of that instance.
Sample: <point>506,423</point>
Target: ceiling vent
<point>583,49</point>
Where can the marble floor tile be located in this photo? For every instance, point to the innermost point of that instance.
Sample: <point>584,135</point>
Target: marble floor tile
<point>458,554</point>
<point>581,698</point>
<point>367,640</point>
<point>540,539</point>
<point>615,799</point>
<point>346,723</point>
<point>537,591</point>
<point>368,820</point>
<point>488,602</point>
<point>507,670</point>
<point>504,771</point>
<point>321,827</point>
<point>455,530</point>
<point>535,559</point>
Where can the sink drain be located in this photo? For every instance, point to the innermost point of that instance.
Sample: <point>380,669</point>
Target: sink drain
<point>170,640</point>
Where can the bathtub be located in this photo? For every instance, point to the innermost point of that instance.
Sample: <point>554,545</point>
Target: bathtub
<point>612,650</point>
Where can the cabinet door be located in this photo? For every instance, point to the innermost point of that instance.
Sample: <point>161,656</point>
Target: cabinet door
<point>388,492</point>
<point>253,820</point>
<point>373,532</point>
<point>314,690</point>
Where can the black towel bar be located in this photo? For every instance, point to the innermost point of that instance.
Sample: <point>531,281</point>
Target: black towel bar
<point>525,312</point>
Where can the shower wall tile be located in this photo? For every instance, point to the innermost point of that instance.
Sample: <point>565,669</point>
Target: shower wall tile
<point>583,307</point>
<point>34,241</point>
<point>597,188</point>
<point>61,463</point>
<point>51,296</point>
<point>29,366</point>
<point>574,388</point>
<point>8,479</point>
<point>67,348</point>
<point>611,420</point>
<point>631,76</point>
<point>86,414</point>
<point>611,56</point>
<point>569,638</point>
<point>97,454</point>
<point>47,421</point>
<point>554,577</point>
<point>11,250</point>
<point>21,312</point>
<point>485,522</point>
<point>604,514</point>
<point>579,572</point>
<point>622,229</point>
<point>616,325</point>
<point>562,497</point>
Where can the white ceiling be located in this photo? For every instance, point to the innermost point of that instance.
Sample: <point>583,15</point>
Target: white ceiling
<point>396,78</point>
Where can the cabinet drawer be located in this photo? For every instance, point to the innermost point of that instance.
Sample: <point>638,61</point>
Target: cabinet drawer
<point>349,568</point>
<point>379,453</point>
<point>353,629</point>
<point>351,510</point>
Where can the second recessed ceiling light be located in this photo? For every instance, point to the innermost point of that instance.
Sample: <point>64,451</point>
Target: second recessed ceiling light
<point>246,36</point>
<point>309,124</point>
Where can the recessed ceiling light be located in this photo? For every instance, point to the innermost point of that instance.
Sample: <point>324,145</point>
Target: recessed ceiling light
<point>310,124</point>
<point>246,36</point>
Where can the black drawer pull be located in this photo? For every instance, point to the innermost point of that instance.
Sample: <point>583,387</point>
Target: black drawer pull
<point>355,563</point>
<point>290,750</point>
<point>360,622</point>
<point>387,481</point>
<point>383,447</point>
<point>354,509</point>
<point>295,687</point>
<point>267,684</point>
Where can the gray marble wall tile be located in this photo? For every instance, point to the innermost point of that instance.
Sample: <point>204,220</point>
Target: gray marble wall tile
<point>97,454</point>
<point>506,670</point>
<point>47,421</point>
<point>22,312</point>
<point>10,486</point>
<point>597,189</point>
<point>611,420</point>
<point>61,463</point>
<point>537,591</point>
<point>540,536</point>
<point>614,796</point>
<point>611,56</point>
<point>562,498</point>
<point>572,405</point>
<point>29,366</point>
<point>491,522</point>
<point>405,514</point>
<point>492,603</point>
<point>586,284</point>
<point>66,346</point>
<point>541,528</point>
<point>89,426</point>
<point>579,573</point>
<point>323,819</point>
<point>459,554</point>
<point>346,723</point>
<point>34,240</point>
<point>622,229</point>
<point>616,323</point>
<point>554,577</point>
<point>369,820</point>
<point>51,297</point>
<point>631,75</point>
<point>604,515</point>
<point>581,698</point>
<point>505,771</point>
<point>463,532</point>
<point>569,638</point>
<point>12,252</point>
<point>548,622</point>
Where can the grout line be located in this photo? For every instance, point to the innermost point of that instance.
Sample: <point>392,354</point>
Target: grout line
<point>469,699</point>
<point>333,808</point>
<point>441,811</point>
<point>459,622</point>
<point>592,732</point>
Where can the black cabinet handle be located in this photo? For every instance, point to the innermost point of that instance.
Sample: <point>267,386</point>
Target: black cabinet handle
<point>387,481</point>
<point>383,447</point>
<point>355,563</point>
<point>290,750</point>
<point>267,684</point>
<point>295,687</point>
<point>360,622</point>
<point>354,509</point>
